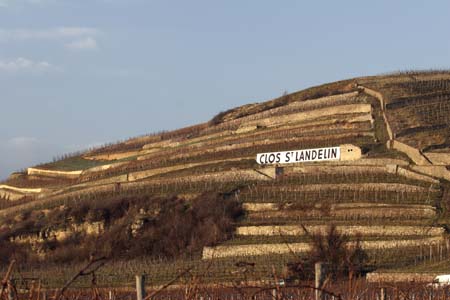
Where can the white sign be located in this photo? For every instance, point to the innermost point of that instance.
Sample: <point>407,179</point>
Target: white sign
<point>296,156</point>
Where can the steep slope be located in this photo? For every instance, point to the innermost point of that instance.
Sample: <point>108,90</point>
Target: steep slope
<point>392,196</point>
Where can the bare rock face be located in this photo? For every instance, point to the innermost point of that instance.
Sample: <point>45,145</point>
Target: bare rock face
<point>61,234</point>
<point>142,218</point>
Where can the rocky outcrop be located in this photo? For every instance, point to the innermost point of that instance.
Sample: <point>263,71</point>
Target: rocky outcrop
<point>60,234</point>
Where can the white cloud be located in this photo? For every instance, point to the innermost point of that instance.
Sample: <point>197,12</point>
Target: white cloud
<point>48,34</point>
<point>24,64</point>
<point>7,3</point>
<point>82,147</point>
<point>76,31</point>
<point>78,38</point>
<point>87,43</point>
<point>22,141</point>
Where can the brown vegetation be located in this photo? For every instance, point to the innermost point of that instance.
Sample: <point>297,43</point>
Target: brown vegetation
<point>332,249</point>
<point>134,226</point>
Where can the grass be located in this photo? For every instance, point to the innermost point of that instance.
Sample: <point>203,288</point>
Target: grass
<point>73,164</point>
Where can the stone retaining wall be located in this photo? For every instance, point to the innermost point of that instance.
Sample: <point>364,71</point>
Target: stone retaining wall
<point>53,173</point>
<point>413,153</point>
<point>113,155</point>
<point>271,211</point>
<point>286,109</point>
<point>435,171</point>
<point>15,193</point>
<point>267,249</point>
<point>267,206</point>
<point>104,167</point>
<point>225,176</point>
<point>315,114</point>
<point>311,105</point>
<point>10,195</point>
<point>190,152</point>
<point>382,101</point>
<point>212,145</point>
<point>392,187</point>
<point>395,277</point>
<point>365,165</point>
<point>21,190</point>
<point>344,229</point>
<point>437,158</point>
<point>416,176</point>
<point>152,172</point>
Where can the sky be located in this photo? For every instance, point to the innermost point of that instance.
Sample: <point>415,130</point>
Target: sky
<point>80,73</point>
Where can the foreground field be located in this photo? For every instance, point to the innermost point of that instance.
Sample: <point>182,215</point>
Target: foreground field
<point>187,285</point>
<point>304,291</point>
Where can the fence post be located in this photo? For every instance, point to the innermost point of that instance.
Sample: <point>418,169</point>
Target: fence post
<point>431,252</point>
<point>140,287</point>
<point>320,277</point>
<point>274,294</point>
<point>382,294</point>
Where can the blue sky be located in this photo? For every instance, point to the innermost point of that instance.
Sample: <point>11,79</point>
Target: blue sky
<point>78,73</point>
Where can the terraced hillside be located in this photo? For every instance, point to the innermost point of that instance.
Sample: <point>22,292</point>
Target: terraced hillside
<point>392,194</point>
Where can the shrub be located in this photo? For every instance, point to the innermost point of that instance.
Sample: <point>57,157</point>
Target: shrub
<point>180,228</point>
<point>170,227</point>
<point>9,251</point>
<point>333,249</point>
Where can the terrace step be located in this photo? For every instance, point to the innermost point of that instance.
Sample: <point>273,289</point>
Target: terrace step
<point>286,248</point>
<point>351,230</point>
<point>268,211</point>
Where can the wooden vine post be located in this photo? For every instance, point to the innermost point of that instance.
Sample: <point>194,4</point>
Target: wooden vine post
<point>140,287</point>
<point>319,279</point>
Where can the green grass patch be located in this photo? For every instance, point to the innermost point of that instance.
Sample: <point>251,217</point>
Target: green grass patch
<point>73,164</point>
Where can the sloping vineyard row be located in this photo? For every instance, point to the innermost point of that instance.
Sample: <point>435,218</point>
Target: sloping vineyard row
<point>171,158</point>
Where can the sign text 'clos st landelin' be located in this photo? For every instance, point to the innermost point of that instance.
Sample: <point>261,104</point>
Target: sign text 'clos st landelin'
<point>296,156</point>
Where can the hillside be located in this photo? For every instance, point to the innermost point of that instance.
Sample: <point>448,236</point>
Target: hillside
<point>197,196</point>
